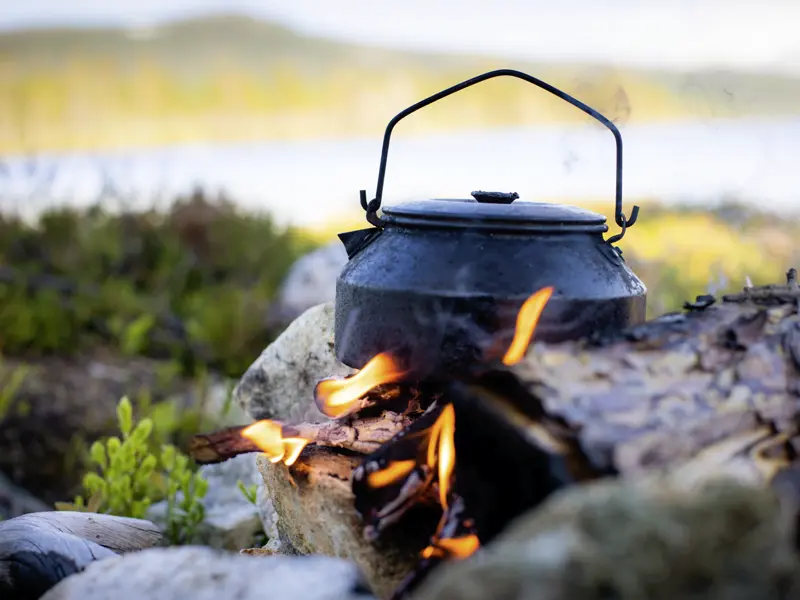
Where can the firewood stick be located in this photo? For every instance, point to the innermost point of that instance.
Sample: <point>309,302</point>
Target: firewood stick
<point>362,435</point>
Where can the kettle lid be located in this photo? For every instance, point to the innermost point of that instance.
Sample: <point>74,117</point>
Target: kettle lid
<point>496,211</point>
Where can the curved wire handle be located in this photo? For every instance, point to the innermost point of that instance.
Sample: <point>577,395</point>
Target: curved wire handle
<point>372,206</point>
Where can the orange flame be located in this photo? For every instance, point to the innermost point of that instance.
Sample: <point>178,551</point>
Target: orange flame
<point>268,436</point>
<point>458,548</point>
<point>527,318</point>
<point>442,450</point>
<point>442,454</point>
<point>336,397</point>
<point>394,471</point>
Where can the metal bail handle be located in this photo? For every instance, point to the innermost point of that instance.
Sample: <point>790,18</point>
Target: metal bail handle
<point>372,206</point>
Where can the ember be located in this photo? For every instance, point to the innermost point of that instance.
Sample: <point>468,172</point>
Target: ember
<point>396,471</point>
<point>340,397</point>
<point>456,548</point>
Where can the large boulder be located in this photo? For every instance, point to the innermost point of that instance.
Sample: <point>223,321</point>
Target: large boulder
<point>656,539</point>
<point>198,573</point>
<point>280,383</point>
<point>316,514</point>
<point>311,281</point>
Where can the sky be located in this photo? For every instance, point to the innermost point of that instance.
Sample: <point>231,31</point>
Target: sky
<point>674,34</point>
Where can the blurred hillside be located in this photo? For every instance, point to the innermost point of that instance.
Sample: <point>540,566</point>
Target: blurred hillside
<point>233,78</point>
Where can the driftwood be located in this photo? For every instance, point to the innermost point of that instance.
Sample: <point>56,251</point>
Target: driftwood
<point>38,550</point>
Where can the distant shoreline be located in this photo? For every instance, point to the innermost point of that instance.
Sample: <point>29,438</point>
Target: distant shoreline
<point>77,90</point>
<point>309,182</point>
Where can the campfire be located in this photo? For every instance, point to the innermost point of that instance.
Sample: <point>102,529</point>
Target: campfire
<point>409,434</point>
<point>453,414</point>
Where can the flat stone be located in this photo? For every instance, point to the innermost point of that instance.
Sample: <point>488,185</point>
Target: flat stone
<point>316,515</point>
<point>280,383</point>
<point>655,539</point>
<point>198,573</point>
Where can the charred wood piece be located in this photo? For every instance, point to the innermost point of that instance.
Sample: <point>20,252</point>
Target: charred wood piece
<point>456,525</point>
<point>395,477</point>
<point>403,398</point>
<point>509,455</point>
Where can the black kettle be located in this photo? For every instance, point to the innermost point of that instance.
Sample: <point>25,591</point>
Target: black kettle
<point>439,283</point>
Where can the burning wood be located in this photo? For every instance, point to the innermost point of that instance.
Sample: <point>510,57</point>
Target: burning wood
<point>395,477</point>
<point>340,397</point>
<point>353,400</point>
<point>284,443</point>
<point>411,452</point>
<point>455,539</point>
<point>718,384</point>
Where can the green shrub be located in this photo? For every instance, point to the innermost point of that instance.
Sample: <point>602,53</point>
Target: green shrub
<point>129,477</point>
<point>190,284</point>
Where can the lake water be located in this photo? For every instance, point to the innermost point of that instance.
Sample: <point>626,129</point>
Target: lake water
<point>311,181</point>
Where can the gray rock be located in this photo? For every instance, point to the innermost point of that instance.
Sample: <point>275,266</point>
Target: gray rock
<point>197,573</point>
<point>276,543</point>
<point>14,501</point>
<point>38,550</point>
<point>311,281</point>
<point>656,539</point>
<point>316,514</point>
<point>280,383</point>
<point>231,521</point>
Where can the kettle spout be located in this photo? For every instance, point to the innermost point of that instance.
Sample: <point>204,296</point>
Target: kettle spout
<point>355,241</point>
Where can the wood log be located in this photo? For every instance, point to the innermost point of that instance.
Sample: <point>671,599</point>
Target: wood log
<point>38,550</point>
<point>362,435</point>
<point>715,388</point>
<point>709,385</point>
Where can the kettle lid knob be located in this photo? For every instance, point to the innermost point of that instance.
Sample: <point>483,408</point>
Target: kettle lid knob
<point>495,197</point>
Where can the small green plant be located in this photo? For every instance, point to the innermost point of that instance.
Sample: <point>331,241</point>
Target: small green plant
<point>248,491</point>
<point>133,338</point>
<point>185,490</point>
<point>130,477</point>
